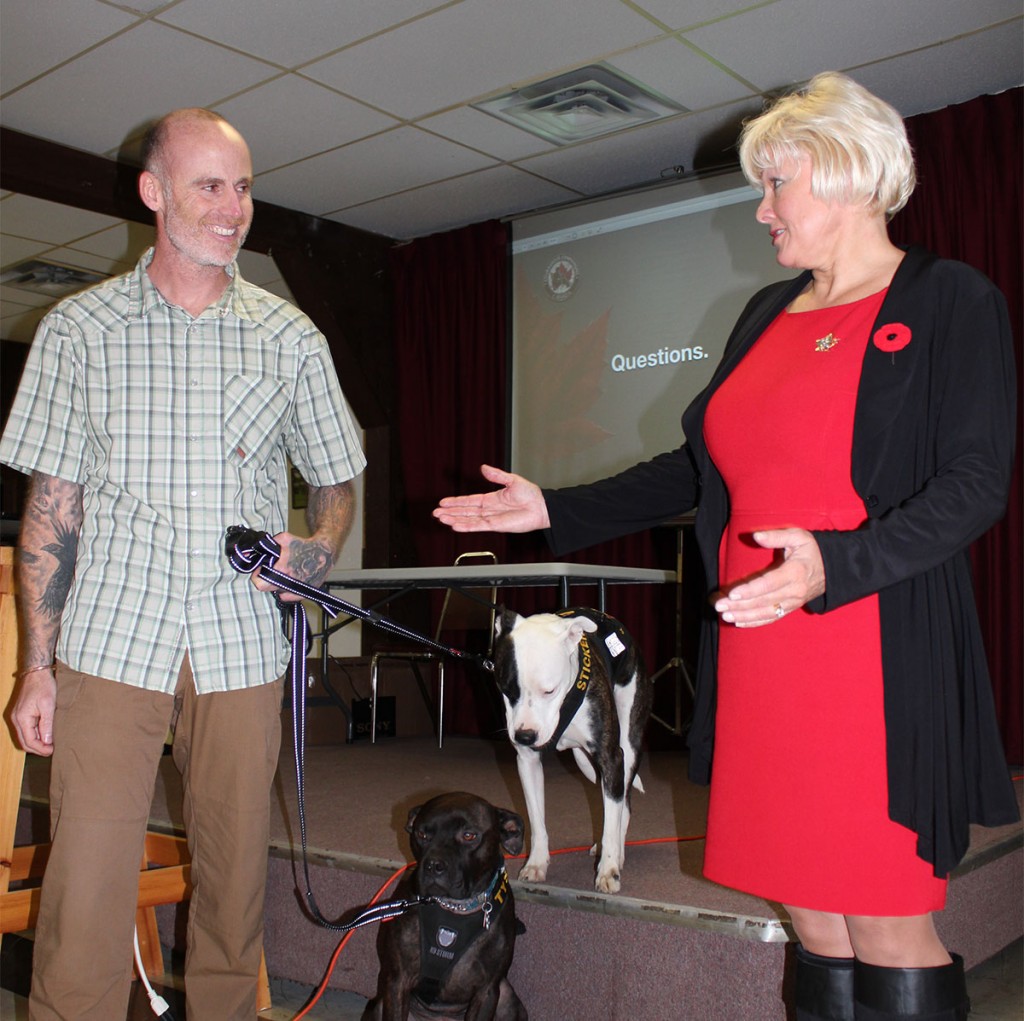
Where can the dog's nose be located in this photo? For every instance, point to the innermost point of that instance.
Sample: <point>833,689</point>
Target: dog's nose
<point>435,866</point>
<point>526,737</point>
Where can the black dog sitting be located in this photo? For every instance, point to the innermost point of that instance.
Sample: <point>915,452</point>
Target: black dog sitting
<point>449,958</point>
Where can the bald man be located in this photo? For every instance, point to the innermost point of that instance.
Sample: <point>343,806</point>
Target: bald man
<point>157,409</point>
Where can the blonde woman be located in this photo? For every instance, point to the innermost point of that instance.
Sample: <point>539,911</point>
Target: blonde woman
<point>855,439</point>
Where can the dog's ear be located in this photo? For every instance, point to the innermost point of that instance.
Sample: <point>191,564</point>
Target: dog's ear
<point>575,627</point>
<point>504,620</point>
<point>510,825</point>
<point>410,823</point>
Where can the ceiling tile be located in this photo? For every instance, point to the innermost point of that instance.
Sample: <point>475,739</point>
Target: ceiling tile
<point>367,170</point>
<point>676,14</point>
<point>258,268</point>
<point>290,34</point>
<point>78,105</point>
<point>49,221</point>
<point>147,6</point>
<point>468,199</point>
<point>762,46</point>
<point>943,75</point>
<point>678,73</point>
<point>14,249</point>
<point>124,242</point>
<point>486,133</point>
<point>16,307</point>
<point>645,157</point>
<point>280,288</point>
<point>266,116</point>
<point>19,322</point>
<point>425,60</point>
<point>476,47</point>
<point>78,259</point>
<point>71,27</point>
<point>26,299</point>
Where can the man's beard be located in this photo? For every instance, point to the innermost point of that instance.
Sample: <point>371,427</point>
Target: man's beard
<point>198,245</point>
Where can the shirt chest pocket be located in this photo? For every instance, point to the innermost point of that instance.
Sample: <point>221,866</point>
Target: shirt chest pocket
<point>255,408</point>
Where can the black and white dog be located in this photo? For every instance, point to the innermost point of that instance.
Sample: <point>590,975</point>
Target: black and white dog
<point>574,679</point>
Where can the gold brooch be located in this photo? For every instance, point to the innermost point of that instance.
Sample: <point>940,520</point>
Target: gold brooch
<point>826,343</point>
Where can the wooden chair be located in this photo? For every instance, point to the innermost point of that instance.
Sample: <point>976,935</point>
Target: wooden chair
<point>164,874</point>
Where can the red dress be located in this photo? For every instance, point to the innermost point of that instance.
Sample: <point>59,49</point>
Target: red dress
<point>798,797</point>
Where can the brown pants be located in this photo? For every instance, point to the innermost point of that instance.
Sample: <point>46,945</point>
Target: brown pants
<point>108,740</point>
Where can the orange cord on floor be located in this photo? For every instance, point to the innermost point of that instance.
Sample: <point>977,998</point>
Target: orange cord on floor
<point>380,893</point>
<point>322,988</point>
<point>341,946</point>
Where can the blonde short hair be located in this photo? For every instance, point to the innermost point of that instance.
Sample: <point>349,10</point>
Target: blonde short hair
<point>857,143</point>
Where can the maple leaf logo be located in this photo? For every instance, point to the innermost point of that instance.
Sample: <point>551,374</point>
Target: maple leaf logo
<point>560,277</point>
<point>561,379</point>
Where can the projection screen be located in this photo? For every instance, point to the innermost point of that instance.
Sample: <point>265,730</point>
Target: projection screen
<point>620,310</point>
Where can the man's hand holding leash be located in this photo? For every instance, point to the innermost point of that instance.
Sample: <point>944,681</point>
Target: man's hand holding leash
<point>329,516</point>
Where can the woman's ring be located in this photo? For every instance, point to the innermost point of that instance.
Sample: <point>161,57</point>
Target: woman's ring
<point>779,611</point>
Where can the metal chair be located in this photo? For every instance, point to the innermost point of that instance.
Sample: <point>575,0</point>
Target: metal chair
<point>468,610</point>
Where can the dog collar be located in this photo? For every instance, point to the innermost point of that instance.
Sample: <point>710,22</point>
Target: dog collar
<point>447,929</point>
<point>612,642</point>
<point>485,901</point>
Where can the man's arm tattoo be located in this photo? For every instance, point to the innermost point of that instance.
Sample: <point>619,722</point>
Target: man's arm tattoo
<point>308,561</point>
<point>63,549</point>
<point>329,516</point>
<point>47,549</point>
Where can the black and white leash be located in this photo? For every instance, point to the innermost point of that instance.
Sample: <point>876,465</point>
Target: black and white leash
<point>248,549</point>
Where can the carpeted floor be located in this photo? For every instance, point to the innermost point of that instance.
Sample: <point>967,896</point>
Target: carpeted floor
<point>358,797</point>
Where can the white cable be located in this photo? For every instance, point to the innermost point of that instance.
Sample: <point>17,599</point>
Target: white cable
<point>157,1003</point>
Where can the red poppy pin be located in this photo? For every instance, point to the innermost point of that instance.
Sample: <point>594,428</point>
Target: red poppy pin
<point>892,337</point>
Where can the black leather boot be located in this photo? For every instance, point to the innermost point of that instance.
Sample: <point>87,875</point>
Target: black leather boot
<point>923,994</point>
<point>824,987</point>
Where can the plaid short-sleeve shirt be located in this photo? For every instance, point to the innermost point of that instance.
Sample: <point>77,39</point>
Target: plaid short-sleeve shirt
<point>176,428</point>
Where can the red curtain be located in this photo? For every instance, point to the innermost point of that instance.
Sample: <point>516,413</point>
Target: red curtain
<point>451,320</point>
<point>451,306</point>
<point>968,206</point>
<point>451,312</point>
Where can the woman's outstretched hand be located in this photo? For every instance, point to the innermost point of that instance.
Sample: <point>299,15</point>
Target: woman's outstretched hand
<point>518,506</point>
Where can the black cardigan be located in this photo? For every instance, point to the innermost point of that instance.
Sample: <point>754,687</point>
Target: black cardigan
<point>933,442</point>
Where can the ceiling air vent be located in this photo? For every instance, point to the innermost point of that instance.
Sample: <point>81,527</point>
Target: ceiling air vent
<point>49,278</point>
<point>580,104</point>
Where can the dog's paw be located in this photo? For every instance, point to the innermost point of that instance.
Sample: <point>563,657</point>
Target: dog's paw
<point>534,872</point>
<point>608,882</point>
